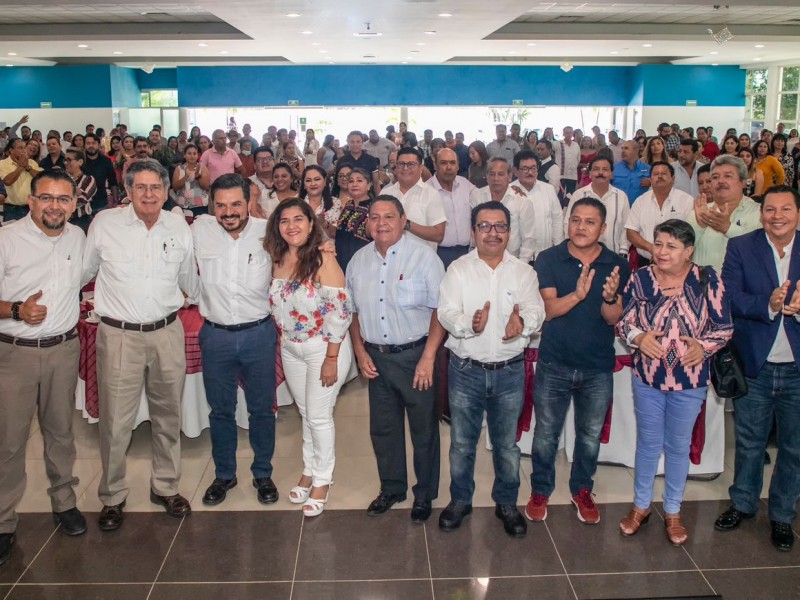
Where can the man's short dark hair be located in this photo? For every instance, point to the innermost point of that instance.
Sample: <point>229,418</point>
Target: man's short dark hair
<point>525,155</point>
<point>54,175</point>
<point>141,138</point>
<point>230,181</point>
<point>410,151</point>
<point>663,163</point>
<point>355,132</point>
<point>91,136</point>
<point>261,150</point>
<point>13,142</point>
<point>76,153</point>
<point>691,142</point>
<point>782,189</point>
<point>680,230</point>
<point>387,198</point>
<point>547,144</point>
<point>89,125</point>
<point>701,128</point>
<point>662,125</point>
<point>594,203</point>
<point>600,158</point>
<point>706,168</point>
<point>489,206</point>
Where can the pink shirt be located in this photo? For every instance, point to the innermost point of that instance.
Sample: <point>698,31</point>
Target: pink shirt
<point>220,164</point>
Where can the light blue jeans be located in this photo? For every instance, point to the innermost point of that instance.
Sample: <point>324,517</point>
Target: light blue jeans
<point>664,422</point>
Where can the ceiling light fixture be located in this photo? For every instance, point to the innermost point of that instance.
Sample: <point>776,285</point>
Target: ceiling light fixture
<point>647,45</point>
<point>403,63</point>
<point>12,53</point>
<point>758,46</point>
<point>316,43</point>
<point>614,52</point>
<point>759,58</point>
<point>307,32</point>
<point>431,32</point>
<point>148,67</point>
<point>722,36</point>
<point>294,15</point>
<point>223,51</point>
<point>203,45</point>
<point>566,67</point>
<point>714,64</point>
<point>83,46</point>
<point>531,44</point>
<point>323,51</point>
<point>445,15</point>
<point>420,43</point>
<point>512,51</point>
<point>714,52</point>
<point>117,52</point>
<point>414,51</point>
<point>367,33</point>
<point>9,65</point>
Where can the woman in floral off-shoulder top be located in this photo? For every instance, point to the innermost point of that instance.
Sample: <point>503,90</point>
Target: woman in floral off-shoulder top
<point>313,310</point>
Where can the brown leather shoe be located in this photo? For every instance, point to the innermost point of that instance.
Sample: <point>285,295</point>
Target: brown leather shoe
<point>631,522</point>
<point>176,506</point>
<point>676,532</point>
<point>111,517</point>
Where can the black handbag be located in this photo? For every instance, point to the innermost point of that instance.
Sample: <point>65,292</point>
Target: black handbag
<point>727,372</point>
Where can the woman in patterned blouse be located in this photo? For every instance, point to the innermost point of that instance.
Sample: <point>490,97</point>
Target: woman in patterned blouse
<point>676,317</point>
<point>312,308</point>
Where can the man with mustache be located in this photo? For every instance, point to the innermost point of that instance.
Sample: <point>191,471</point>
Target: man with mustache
<point>100,167</point>
<point>40,265</point>
<point>238,338</point>
<point>17,171</point>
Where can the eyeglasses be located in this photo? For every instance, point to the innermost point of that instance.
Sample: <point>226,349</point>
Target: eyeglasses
<point>68,159</point>
<point>531,169</point>
<point>264,161</point>
<point>406,165</point>
<point>48,199</point>
<point>142,188</point>
<point>487,227</point>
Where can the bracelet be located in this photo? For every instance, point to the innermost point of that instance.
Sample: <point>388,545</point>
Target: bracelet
<point>15,310</point>
<point>613,300</point>
<point>331,356</point>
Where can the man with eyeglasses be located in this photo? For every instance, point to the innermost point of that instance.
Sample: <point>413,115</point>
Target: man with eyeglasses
<point>86,188</point>
<point>17,171</point>
<point>489,303</point>
<point>40,265</point>
<point>425,216</point>
<point>220,158</point>
<point>143,258</point>
<point>261,183</point>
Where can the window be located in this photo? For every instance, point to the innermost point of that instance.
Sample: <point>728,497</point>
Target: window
<point>159,98</point>
<point>756,99</point>
<point>788,97</point>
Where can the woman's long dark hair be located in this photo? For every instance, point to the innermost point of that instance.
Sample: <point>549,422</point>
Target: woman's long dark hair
<point>336,189</point>
<point>327,199</point>
<point>309,256</point>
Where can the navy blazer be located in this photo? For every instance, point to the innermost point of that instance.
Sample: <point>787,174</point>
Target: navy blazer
<point>750,276</point>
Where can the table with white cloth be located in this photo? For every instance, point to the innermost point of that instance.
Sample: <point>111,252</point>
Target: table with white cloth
<point>708,443</point>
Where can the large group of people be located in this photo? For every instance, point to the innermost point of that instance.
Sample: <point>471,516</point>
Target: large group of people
<point>393,252</point>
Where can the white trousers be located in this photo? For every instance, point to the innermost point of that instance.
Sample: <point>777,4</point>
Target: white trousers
<point>302,364</point>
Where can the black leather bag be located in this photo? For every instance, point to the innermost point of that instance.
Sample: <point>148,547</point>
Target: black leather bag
<point>727,373</point>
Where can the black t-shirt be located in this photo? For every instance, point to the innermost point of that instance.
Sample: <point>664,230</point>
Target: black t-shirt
<point>365,161</point>
<point>102,169</point>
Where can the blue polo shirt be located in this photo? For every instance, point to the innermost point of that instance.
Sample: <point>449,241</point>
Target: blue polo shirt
<point>629,180</point>
<point>580,339</point>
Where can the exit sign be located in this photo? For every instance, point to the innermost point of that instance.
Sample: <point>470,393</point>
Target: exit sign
<point>294,102</point>
<point>45,105</point>
<point>518,102</point>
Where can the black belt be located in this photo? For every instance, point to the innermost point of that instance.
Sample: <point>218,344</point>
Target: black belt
<point>394,348</point>
<point>144,327</point>
<point>42,342</point>
<point>780,364</point>
<point>494,366</point>
<point>238,326</point>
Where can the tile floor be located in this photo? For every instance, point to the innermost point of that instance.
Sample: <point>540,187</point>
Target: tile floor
<point>241,549</point>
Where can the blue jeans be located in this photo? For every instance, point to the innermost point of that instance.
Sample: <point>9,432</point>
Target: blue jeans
<point>591,391</point>
<point>775,391</point>
<point>664,421</point>
<point>473,390</point>
<point>227,357</point>
<point>12,212</point>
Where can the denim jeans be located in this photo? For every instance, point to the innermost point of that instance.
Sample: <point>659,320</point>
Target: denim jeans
<point>591,391</point>
<point>664,421</point>
<point>775,391</point>
<point>228,356</point>
<point>473,390</point>
<point>13,212</point>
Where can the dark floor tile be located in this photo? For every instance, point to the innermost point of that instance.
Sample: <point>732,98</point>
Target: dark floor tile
<point>602,549</point>
<point>641,585</point>
<point>747,546</point>
<point>33,530</point>
<point>347,544</point>
<point>554,587</point>
<point>4,589</point>
<point>746,584</point>
<point>235,546</point>
<point>419,589</point>
<point>481,548</point>
<point>218,591</point>
<point>80,592</point>
<point>131,554</point>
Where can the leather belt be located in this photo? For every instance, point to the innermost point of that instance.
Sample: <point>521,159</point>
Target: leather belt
<point>143,327</point>
<point>780,364</point>
<point>238,326</point>
<point>494,366</point>
<point>41,342</point>
<point>394,348</point>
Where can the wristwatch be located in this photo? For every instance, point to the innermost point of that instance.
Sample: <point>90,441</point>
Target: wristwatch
<point>15,310</point>
<point>408,225</point>
<point>613,300</point>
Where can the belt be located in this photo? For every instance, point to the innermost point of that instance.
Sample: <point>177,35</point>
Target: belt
<point>494,366</point>
<point>41,342</point>
<point>144,327</point>
<point>780,364</point>
<point>394,348</point>
<point>238,326</point>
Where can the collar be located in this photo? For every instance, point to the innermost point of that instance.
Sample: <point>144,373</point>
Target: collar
<point>394,248</point>
<point>473,255</point>
<point>27,222</point>
<point>605,256</point>
<point>130,217</point>
<point>787,249</point>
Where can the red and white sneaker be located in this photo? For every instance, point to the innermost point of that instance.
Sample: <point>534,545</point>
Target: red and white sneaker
<point>587,509</point>
<point>536,508</point>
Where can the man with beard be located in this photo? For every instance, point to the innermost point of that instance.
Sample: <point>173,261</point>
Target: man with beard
<point>39,349</point>
<point>686,167</point>
<point>99,166</point>
<point>55,157</point>
<point>238,338</point>
<point>17,171</point>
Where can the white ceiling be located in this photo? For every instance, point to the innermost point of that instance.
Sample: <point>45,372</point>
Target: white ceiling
<point>411,32</point>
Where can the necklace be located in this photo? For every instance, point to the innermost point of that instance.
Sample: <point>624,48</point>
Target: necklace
<point>667,289</point>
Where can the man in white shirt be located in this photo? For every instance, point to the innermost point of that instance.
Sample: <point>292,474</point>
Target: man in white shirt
<point>39,349</point>
<point>549,171</point>
<point>686,167</point>
<point>489,303</point>
<point>568,157</point>
<point>424,211</point>
<point>661,202</point>
<point>379,148</point>
<point>521,236</point>
<point>261,182</point>
<point>548,217</point>
<point>454,192</point>
<point>616,202</point>
<point>615,145</point>
<point>143,259</point>
<point>238,338</point>
<point>503,146</point>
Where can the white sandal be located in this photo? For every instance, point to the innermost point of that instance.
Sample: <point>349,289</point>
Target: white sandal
<point>299,494</point>
<point>315,506</point>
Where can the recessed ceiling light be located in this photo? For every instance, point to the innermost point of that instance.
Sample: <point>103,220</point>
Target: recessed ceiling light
<point>512,51</point>
<point>223,51</point>
<point>203,45</point>
<point>316,43</point>
<point>307,32</point>
<point>294,15</point>
<point>414,51</point>
<point>83,46</point>
<point>758,46</point>
<point>431,32</point>
<point>9,65</point>
<point>647,45</point>
<point>757,59</point>
<point>117,52</point>
<point>323,51</point>
<point>12,53</point>
<point>714,64</point>
<point>403,63</point>
<point>445,15</point>
<point>713,53</point>
<point>613,52</point>
<point>420,43</point>
<point>531,43</point>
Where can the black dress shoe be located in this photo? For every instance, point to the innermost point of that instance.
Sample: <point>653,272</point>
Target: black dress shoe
<point>72,521</point>
<point>513,522</point>
<point>782,535</point>
<point>176,506</point>
<point>111,517</point>
<point>420,511</point>
<point>217,491</point>
<point>6,541</point>
<point>731,519</point>
<point>452,515</point>
<point>383,503</point>
<point>266,490</point>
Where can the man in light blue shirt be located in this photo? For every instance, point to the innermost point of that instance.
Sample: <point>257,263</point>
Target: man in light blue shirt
<point>631,175</point>
<point>395,332</point>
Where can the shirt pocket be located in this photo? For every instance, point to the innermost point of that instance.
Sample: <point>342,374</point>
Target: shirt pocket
<point>171,256</point>
<point>117,264</point>
<point>69,272</point>
<point>411,293</point>
<point>258,272</point>
<point>212,269</point>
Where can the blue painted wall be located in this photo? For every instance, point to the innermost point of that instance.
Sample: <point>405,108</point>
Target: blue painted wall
<point>125,92</point>
<point>66,87</point>
<point>668,85</point>
<point>159,79</point>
